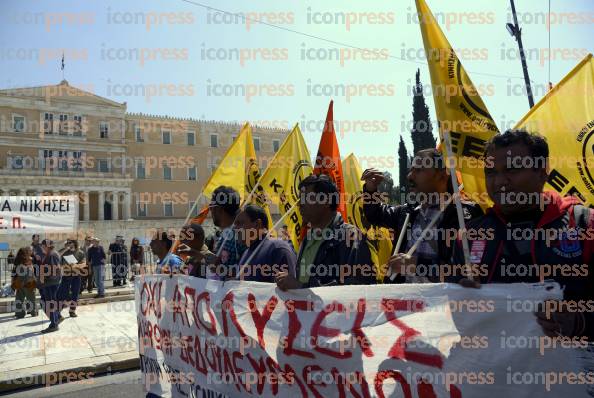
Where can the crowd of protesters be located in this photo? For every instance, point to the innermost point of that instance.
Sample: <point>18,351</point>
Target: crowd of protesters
<point>245,249</point>
<point>332,252</point>
<point>62,275</point>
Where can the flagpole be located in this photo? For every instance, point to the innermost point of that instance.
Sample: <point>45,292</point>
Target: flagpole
<point>202,192</point>
<point>247,262</point>
<point>415,246</point>
<point>399,243</point>
<point>63,65</point>
<point>459,211</point>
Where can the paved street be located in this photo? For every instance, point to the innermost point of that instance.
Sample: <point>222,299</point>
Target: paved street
<point>101,335</point>
<point>126,384</point>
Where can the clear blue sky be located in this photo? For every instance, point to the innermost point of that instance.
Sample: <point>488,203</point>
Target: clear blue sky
<point>101,40</point>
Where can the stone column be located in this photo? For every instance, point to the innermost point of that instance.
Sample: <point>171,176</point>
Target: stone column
<point>86,206</point>
<point>115,205</point>
<point>127,205</point>
<point>100,204</point>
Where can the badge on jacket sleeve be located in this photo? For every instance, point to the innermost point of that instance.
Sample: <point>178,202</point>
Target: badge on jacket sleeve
<point>568,245</point>
<point>476,251</point>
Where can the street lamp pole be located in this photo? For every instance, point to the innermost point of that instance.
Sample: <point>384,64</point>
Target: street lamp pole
<point>516,32</point>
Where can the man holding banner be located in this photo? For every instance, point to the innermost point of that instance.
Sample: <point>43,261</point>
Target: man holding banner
<point>224,207</point>
<point>431,187</point>
<point>332,252</point>
<point>537,235</point>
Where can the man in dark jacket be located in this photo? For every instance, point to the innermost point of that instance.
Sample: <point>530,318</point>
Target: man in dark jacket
<point>265,256</point>
<point>537,235</point>
<point>48,281</point>
<point>119,261</point>
<point>96,259</point>
<point>430,187</point>
<point>332,251</point>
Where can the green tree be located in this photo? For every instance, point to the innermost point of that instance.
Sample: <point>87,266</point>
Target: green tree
<point>422,130</point>
<point>403,162</point>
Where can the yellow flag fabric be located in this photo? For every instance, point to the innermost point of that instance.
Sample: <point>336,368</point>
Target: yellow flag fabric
<point>565,116</point>
<point>280,181</point>
<point>378,239</point>
<point>238,169</point>
<point>460,110</point>
<point>234,166</point>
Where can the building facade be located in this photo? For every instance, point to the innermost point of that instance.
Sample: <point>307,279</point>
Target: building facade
<point>60,139</point>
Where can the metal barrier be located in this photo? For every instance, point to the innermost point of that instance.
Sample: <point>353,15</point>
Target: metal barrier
<point>124,259</point>
<point>149,263</point>
<point>5,271</point>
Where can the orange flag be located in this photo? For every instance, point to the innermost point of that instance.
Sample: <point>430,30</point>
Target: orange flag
<point>199,219</point>
<point>328,158</point>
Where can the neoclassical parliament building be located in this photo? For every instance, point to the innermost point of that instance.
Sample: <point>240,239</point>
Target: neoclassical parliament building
<point>128,169</point>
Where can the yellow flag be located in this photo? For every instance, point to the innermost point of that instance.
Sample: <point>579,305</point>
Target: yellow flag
<point>460,110</point>
<point>280,181</point>
<point>238,169</point>
<point>378,239</point>
<point>565,116</point>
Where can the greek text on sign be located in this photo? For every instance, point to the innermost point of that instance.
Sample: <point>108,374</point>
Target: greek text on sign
<point>38,214</point>
<point>200,338</point>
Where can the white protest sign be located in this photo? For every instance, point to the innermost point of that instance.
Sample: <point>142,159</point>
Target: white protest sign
<point>413,341</point>
<point>38,214</point>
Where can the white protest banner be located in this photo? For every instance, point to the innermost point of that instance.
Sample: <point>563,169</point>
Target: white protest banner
<point>200,338</point>
<point>38,214</point>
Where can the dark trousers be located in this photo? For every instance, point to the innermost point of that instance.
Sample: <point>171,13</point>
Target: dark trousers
<point>87,280</point>
<point>49,302</point>
<point>119,273</point>
<point>25,302</point>
<point>68,292</point>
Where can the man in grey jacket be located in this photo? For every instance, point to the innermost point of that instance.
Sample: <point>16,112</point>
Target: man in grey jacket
<point>48,281</point>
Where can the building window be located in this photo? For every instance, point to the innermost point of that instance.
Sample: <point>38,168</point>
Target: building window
<point>104,130</point>
<point>63,126</point>
<point>18,123</point>
<point>168,209</point>
<point>275,145</point>
<point>192,173</point>
<point>48,123</point>
<point>191,138</point>
<point>166,137</point>
<point>63,160</point>
<point>140,170</point>
<point>103,165</point>
<point>141,209</point>
<point>77,162</point>
<point>77,127</point>
<point>17,162</point>
<point>47,154</point>
<point>214,141</point>
<point>166,172</point>
<point>233,138</point>
<point>193,210</point>
<point>257,143</point>
<point>138,134</point>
